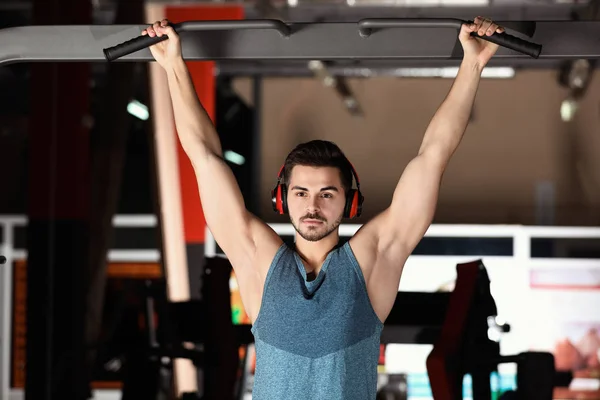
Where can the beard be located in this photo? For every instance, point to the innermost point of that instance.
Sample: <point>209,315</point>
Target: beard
<point>317,232</point>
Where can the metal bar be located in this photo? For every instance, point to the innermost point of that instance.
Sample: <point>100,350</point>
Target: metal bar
<point>368,25</point>
<point>142,41</point>
<point>309,41</point>
<point>6,307</point>
<point>371,69</point>
<point>120,256</point>
<point>274,24</point>
<point>131,221</point>
<point>256,150</point>
<point>365,28</point>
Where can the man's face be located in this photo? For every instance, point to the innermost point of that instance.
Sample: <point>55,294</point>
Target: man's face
<point>315,201</point>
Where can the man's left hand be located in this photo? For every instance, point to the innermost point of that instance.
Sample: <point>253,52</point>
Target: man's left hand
<point>477,50</point>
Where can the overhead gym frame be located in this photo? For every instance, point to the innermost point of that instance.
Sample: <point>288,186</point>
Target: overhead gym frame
<point>371,39</point>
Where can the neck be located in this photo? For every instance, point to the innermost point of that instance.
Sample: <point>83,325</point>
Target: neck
<point>315,253</point>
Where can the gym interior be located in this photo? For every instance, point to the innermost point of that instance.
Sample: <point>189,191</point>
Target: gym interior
<point>112,286</point>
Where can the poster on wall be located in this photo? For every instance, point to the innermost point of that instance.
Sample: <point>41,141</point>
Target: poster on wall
<point>566,321</point>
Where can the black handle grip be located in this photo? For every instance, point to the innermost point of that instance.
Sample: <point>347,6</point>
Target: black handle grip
<point>2,260</point>
<point>366,27</point>
<point>142,42</point>
<point>133,45</point>
<point>513,43</point>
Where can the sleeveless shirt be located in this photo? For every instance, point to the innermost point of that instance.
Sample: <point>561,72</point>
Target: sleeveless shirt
<point>316,339</point>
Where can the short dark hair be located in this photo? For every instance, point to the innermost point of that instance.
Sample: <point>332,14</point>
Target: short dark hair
<point>319,153</point>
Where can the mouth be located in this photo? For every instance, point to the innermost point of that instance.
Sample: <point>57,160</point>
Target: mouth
<point>312,221</point>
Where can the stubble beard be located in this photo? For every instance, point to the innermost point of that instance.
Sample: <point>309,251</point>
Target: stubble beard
<point>318,232</point>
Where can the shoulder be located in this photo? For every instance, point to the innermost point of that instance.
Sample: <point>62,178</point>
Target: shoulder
<point>374,246</point>
<point>268,258</point>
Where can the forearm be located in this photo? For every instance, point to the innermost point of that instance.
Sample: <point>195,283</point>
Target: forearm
<point>449,123</point>
<point>194,127</point>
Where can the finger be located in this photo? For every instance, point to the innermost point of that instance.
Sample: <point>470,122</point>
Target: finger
<point>150,31</point>
<point>164,24</point>
<point>469,27</point>
<point>492,28</point>
<point>168,30</point>
<point>156,27</point>
<point>160,31</point>
<point>484,27</point>
<point>465,31</point>
<point>500,30</point>
<point>478,21</point>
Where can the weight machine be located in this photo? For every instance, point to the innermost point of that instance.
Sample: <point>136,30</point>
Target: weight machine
<point>456,323</point>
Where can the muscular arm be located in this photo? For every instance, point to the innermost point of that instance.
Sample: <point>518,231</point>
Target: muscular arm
<point>400,228</point>
<point>415,197</point>
<point>237,231</point>
<point>383,244</point>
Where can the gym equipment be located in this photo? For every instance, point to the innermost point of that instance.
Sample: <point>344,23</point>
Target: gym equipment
<point>366,28</point>
<point>2,260</point>
<point>382,39</point>
<point>457,324</point>
<point>206,323</point>
<point>395,389</point>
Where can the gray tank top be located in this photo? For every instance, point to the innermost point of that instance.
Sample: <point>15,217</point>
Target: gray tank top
<point>316,339</point>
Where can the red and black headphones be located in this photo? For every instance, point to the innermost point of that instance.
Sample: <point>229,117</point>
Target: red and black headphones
<point>354,198</point>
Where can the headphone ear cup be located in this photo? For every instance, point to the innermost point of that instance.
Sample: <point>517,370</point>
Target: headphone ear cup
<point>350,199</point>
<point>276,199</point>
<point>354,202</point>
<point>283,196</point>
<point>359,202</point>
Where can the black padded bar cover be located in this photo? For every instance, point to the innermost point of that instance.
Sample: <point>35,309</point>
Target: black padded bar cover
<point>144,41</point>
<point>513,43</point>
<point>133,45</point>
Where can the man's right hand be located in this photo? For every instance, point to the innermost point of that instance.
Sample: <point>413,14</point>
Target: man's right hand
<point>168,51</point>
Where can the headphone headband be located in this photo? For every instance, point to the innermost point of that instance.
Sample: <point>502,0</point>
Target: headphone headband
<point>355,174</point>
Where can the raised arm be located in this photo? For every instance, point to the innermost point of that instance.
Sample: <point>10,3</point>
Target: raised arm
<point>416,195</point>
<point>241,236</point>
<point>399,229</point>
<point>383,244</point>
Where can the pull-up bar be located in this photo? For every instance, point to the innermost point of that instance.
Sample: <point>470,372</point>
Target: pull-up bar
<point>370,39</point>
<point>365,29</point>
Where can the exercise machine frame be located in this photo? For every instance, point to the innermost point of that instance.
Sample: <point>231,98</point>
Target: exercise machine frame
<point>560,40</point>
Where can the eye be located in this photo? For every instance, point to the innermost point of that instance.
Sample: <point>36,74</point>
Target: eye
<point>327,195</point>
<point>300,194</point>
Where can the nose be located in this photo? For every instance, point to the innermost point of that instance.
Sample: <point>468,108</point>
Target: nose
<point>312,205</point>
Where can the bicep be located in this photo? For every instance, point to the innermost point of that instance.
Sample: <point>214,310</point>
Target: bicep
<point>239,234</point>
<point>414,203</point>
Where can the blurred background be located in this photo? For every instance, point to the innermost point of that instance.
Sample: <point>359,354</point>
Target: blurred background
<point>114,288</point>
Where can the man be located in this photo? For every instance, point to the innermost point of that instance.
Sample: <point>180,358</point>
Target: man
<point>318,309</point>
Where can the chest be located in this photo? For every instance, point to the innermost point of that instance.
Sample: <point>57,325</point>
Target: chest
<point>314,318</point>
